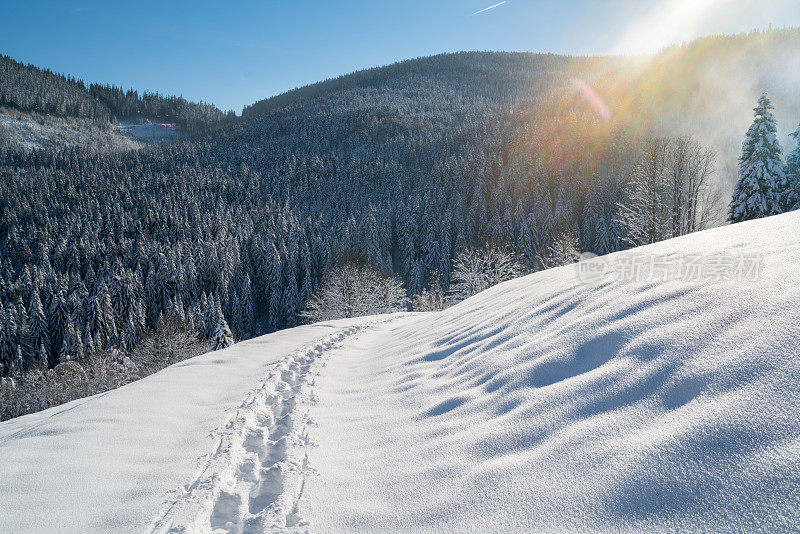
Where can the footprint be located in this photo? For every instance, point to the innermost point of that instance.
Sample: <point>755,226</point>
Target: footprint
<point>267,490</point>
<point>276,452</point>
<point>282,427</point>
<point>289,377</point>
<point>227,511</point>
<point>250,470</point>
<point>265,418</point>
<point>255,441</point>
<point>288,405</point>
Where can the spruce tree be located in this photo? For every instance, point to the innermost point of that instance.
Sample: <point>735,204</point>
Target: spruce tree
<point>73,346</point>
<point>107,315</point>
<point>761,175</point>
<point>275,287</point>
<point>18,364</point>
<point>7,335</point>
<point>57,320</point>
<point>131,334</point>
<point>37,327</point>
<point>203,325</point>
<point>246,306</point>
<point>222,333</point>
<point>791,196</point>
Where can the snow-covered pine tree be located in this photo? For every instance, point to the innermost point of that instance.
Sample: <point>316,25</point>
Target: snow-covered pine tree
<point>406,232</point>
<point>108,315</point>
<point>202,319</point>
<point>222,334</point>
<point>417,276</point>
<point>603,238</point>
<point>131,335</point>
<point>73,346</point>
<point>528,239</point>
<point>791,195</point>
<point>213,313</point>
<point>371,233</point>
<point>246,306</point>
<point>290,303</point>
<point>235,312</point>
<point>62,353</point>
<point>18,364</point>
<point>57,320</point>
<point>306,269</point>
<point>37,326</point>
<point>190,275</point>
<point>592,216</point>
<point>761,174</point>
<point>8,332</point>
<point>154,287</point>
<point>88,342</point>
<point>273,267</point>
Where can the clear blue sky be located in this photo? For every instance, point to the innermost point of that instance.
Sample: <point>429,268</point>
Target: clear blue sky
<point>234,53</point>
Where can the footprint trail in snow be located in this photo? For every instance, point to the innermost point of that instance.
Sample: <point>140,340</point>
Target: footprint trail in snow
<point>254,479</point>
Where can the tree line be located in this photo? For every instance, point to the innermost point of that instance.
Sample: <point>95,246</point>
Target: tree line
<point>30,88</point>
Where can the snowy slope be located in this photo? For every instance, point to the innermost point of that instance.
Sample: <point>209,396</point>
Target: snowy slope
<point>148,131</point>
<point>49,132</point>
<point>36,132</point>
<point>543,404</point>
<point>112,461</point>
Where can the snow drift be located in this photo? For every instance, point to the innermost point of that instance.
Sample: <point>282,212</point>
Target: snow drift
<point>543,404</point>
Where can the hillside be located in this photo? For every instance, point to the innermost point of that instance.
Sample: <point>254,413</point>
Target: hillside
<point>30,89</point>
<point>32,131</point>
<point>27,132</point>
<point>410,165</point>
<point>542,404</point>
<point>676,91</point>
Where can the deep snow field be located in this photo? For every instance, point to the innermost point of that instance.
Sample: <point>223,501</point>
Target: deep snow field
<point>544,404</point>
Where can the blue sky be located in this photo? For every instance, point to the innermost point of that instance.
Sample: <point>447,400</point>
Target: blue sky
<point>234,53</point>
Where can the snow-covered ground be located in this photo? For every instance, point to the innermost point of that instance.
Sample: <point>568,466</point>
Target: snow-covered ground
<point>543,404</point>
<point>34,131</point>
<point>148,131</point>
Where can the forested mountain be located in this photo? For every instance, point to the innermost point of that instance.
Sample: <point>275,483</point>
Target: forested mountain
<point>408,165</point>
<point>29,88</point>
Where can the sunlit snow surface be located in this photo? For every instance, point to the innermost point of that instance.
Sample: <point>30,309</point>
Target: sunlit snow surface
<point>543,404</point>
<point>149,131</point>
<point>49,132</point>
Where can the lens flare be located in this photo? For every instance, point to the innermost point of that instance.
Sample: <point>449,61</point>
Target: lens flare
<point>592,97</point>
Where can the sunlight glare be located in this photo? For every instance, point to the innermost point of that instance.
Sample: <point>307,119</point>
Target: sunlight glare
<point>667,22</point>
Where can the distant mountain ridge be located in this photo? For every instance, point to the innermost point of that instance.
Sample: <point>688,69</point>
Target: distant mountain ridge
<point>471,62</point>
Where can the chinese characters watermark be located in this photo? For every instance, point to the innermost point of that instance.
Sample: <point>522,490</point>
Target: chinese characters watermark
<point>690,268</point>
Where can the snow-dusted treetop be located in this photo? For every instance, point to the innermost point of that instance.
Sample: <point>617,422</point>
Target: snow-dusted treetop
<point>761,174</point>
